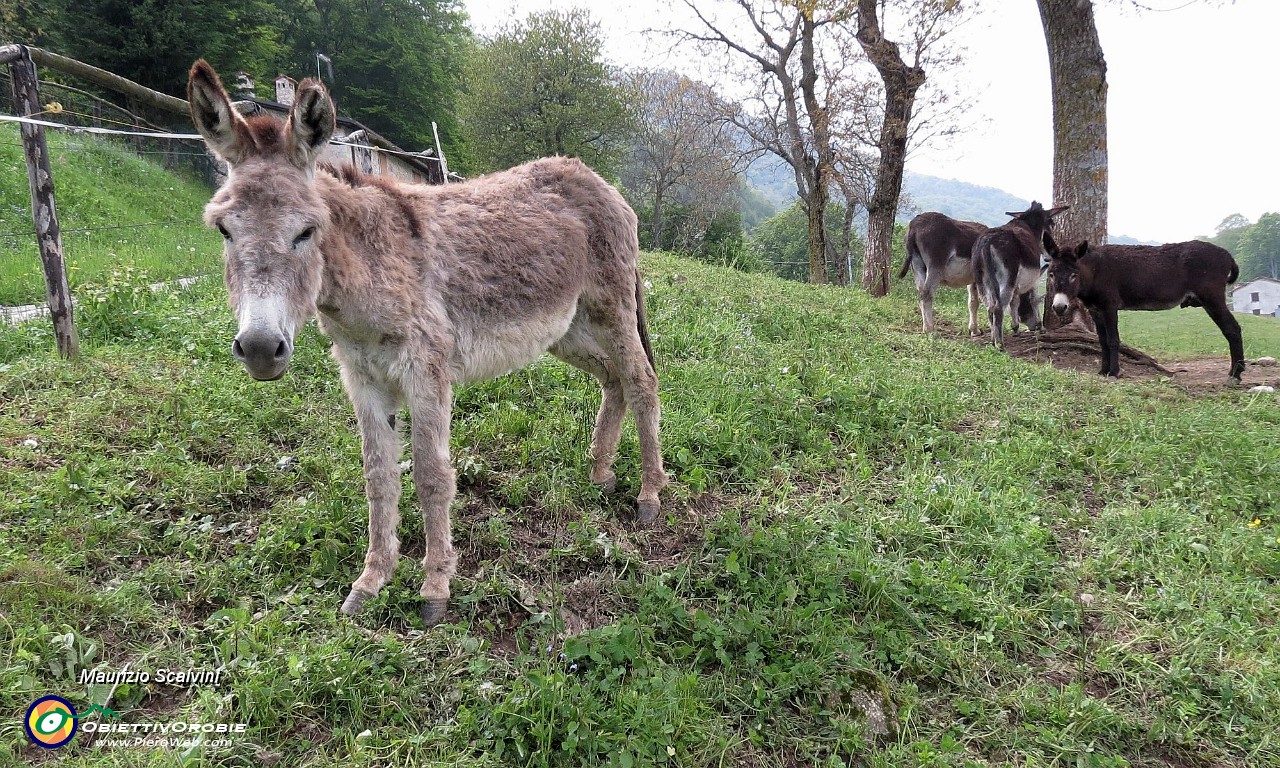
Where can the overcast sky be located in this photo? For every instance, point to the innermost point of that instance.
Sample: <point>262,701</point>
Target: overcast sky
<point>1193,102</point>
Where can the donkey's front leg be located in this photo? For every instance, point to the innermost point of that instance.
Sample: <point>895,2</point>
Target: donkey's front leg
<point>375,411</point>
<point>433,478</point>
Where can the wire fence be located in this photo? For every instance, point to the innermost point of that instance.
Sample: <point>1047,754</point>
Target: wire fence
<point>129,190</point>
<point>109,157</point>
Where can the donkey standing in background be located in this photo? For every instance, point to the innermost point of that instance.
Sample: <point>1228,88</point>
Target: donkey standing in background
<point>939,250</point>
<point>420,288</point>
<point>1007,265</point>
<point>1114,277</point>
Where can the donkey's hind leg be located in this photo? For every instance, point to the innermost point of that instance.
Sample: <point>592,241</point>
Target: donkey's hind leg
<point>1216,306</point>
<point>995,313</point>
<point>580,348</point>
<point>614,333</point>
<point>973,310</point>
<point>640,387</point>
<point>926,287</point>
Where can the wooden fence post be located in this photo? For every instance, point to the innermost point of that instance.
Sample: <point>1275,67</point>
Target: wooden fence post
<point>26,101</point>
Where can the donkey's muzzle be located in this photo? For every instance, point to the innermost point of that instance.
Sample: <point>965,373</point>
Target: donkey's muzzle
<point>264,355</point>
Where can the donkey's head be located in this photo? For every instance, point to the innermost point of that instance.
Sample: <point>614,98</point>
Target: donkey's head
<point>1036,217</point>
<point>270,215</point>
<point>1064,274</point>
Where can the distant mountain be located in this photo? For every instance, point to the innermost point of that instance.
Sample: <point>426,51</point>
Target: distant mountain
<point>1126,240</point>
<point>971,202</point>
<point>958,199</point>
<point>775,182</point>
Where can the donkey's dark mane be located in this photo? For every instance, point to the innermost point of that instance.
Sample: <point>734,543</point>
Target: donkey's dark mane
<point>356,179</point>
<point>267,134</point>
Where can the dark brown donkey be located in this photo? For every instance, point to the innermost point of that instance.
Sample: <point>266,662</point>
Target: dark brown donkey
<point>1007,266</point>
<point>1146,277</point>
<point>939,251</point>
<point>422,288</point>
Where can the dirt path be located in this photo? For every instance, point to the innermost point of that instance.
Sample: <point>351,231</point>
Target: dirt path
<point>1197,377</point>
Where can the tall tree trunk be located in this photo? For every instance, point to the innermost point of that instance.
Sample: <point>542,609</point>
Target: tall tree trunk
<point>655,222</point>
<point>1078,77</point>
<point>816,211</point>
<point>821,164</point>
<point>900,85</point>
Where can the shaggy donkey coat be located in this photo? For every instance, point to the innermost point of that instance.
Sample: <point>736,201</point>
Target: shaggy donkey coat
<point>1006,266</point>
<point>939,252</point>
<point>1113,277</point>
<point>420,288</point>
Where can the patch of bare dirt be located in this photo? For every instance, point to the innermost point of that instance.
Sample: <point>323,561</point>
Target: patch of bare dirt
<point>562,564</point>
<point>1196,377</point>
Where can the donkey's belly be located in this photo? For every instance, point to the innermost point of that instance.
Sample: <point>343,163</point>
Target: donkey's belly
<point>485,353</point>
<point>1027,279</point>
<point>957,272</point>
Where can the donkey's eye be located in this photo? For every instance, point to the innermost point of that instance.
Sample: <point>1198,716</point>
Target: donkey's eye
<point>225,234</point>
<point>304,237</point>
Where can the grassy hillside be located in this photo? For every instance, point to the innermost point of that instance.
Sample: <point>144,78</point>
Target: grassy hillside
<point>880,549</point>
<point>117,211</point>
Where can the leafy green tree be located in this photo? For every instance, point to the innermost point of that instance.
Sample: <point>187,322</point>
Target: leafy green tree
<point>1259,249</point>
<point>153,42</point>
<point>22,21</point>
<point>540,87</point>
<point>396,63</point>
<point>681,150</point>
<point>1228,233</point>
<point>755,206</point>
<point>781,243</point>
<point>716,239</point>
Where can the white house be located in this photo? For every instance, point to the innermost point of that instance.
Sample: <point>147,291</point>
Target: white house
<point>1260,296</point>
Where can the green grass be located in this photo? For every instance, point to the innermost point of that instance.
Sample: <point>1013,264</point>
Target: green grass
<point>880,549</point>
<point>139,216</point>
<point>1189,334</point>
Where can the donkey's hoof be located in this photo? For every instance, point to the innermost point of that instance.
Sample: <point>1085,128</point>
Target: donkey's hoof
<point>647,511</point>
<point>607,484</point>
<point>433,610</point>
<point>355,601</point>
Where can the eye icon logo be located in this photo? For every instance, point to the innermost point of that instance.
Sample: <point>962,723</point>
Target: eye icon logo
<point>51,721</point>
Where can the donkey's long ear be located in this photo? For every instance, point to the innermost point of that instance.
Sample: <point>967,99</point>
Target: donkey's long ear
<point>311,123</point>
<point>222,127</point>
<point>1050,247</point>
<point>1081,250</point>
<point>1055,211</point>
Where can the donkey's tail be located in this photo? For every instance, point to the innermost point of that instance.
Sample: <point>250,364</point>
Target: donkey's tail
<point>912,253</point>
<point>642,323</point>
<point>982,275</point>
<point>1234,273</point>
